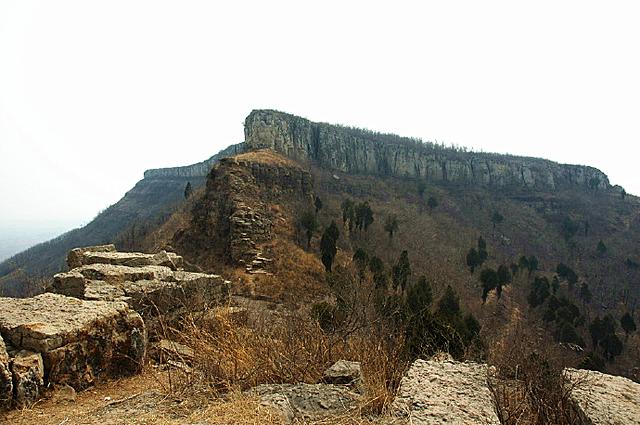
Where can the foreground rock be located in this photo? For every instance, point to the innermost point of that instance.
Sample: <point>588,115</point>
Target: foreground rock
<point>307,401</point>
<point>78,341</point>
<point>604,399</point>
<point>152,284</point>
<point>445,392</point>
<point>6,384</point>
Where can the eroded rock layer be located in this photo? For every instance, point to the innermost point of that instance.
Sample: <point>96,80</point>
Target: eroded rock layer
<point>365,152</point>
<point>78,341</point>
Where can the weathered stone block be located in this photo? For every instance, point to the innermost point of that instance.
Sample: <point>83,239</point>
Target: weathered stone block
<point>6,383</point>
<point>343,372</point>
<point>603,399</point>
<point>79,340</point>
<point>28,377</point>
<point>439,392</point>
<point>75,256</point>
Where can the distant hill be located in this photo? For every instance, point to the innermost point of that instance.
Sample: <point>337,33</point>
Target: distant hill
<point>151,200</point>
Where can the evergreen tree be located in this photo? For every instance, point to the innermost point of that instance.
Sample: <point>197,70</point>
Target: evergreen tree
<point>377,268</point>
<point>449,304</point>
<point>361,258</point>
<point>627,323</point>
<point>539,291</point>
<point>489,279</point>
<point>328,247</point>
<point>401,271</point>
<point>364,216</point>
<point>496,219</point>
<point>504,278</point>
<point>188,190</point>
<point>532,264</point>
<point>482,250</point>
<point>419,298</point>
<point>308,223</point>
<point>391,225</point>
<point>602,248</point>
<point>317,204</point>
<point>473,259</point>
<point>348,213</point>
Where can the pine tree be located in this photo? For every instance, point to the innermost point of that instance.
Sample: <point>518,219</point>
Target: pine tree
<point>188,190</point>
<point>391,225</point>
<point>401,271</point>
<point>328,247</point>
<point>317,203</point>
<point>627,323</point>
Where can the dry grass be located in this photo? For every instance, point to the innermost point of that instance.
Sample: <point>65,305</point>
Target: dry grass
<point>529,386</point>
<point>266,156</point>
<point>231,358</point>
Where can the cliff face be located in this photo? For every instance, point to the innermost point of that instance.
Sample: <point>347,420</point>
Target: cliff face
<point>233,217</point>
<point>362,152</point>
<point>201,169</point>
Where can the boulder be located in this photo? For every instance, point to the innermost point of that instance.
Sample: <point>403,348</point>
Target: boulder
<point>307,402</point>
<point>79,341</point>
<point>602,399</point>
<point>6,383</point>
<point>27,368</point>
<point>445,392</point>
<point>343,372</point>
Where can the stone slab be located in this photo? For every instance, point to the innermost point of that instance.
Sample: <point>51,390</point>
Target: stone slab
<point>445,392</point>
<point>78,340</point>
<point>6,383</point>
<point>602,399</point>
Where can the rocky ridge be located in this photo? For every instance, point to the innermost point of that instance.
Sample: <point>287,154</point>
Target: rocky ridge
<point>364,152</point>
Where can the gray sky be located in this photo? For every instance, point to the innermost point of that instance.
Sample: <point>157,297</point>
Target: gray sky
<point>92,93</point>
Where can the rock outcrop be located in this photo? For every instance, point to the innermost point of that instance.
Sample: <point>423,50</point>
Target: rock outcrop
<point>602,399</point>
<point>152,284</point>
<point>445,392</point>
<point>63,340</point>
<point>364,152</point>
<point>6,382</point>
<point>233,218</point>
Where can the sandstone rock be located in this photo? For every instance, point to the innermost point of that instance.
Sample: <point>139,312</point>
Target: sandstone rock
<point>343,372</point>
<point>28,377</point>
<point>6,383</point>
<point>604,399</point>
<point>79,340</point>
<point>308,401</point>
<point>444,392</point>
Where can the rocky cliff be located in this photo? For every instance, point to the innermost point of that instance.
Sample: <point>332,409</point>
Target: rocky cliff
<point>356,151</point>
<point>201,169</point>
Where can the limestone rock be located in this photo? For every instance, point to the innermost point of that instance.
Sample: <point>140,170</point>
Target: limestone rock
<point>343,372</point>
<point>75,256</point>
<point>361,152</point>
<point>602,399</point>
<point>151,290</point>
<point>107,254</point>
<point>6,384</point>
<point>444,392</point>
<point>308,401</point>
<point>79,340</point>
<point>28,377</point>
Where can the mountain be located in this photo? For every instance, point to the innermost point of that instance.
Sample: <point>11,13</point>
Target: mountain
<point>149,202</point>
<point>564,241</point>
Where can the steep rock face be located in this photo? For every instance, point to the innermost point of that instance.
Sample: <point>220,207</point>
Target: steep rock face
<point>358,151</point>
<point>6,384</point>
<point>233,217</point>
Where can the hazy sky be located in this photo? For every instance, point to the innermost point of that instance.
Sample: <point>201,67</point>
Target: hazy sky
<point>92,93</point>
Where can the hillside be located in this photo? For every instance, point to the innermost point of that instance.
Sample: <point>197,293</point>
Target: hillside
<point>323,247</point>
<point>563,215</point>
<point>148,204</point>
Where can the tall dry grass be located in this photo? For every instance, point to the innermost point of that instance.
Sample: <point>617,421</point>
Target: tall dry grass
<point>230,357</point>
